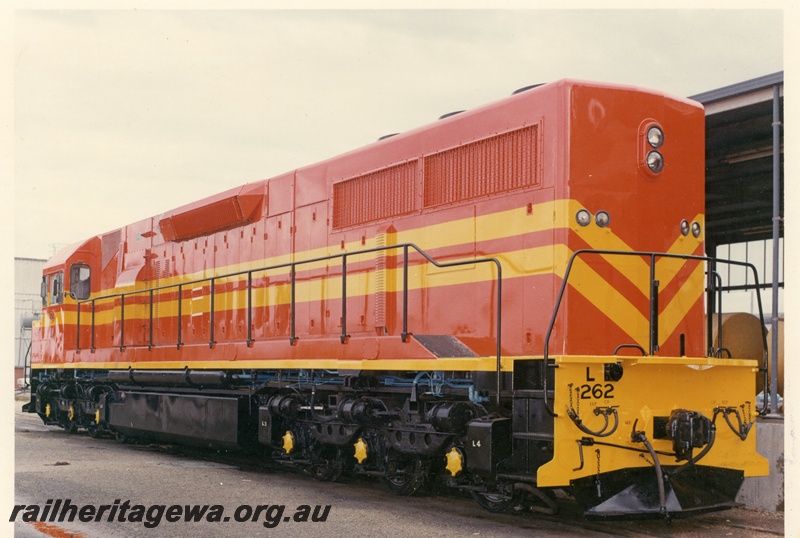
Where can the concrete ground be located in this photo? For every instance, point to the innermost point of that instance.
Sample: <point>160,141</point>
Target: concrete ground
<point>767,492</point>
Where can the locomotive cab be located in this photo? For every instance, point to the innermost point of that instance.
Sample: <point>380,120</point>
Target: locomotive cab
<point>78,284</point>
<point>67,279</point>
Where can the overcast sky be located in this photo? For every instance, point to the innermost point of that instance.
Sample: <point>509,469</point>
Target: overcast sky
<point>122,115</point>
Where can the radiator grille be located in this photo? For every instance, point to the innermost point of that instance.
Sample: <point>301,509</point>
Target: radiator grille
<point>501,163</point>
<point>375,196</point>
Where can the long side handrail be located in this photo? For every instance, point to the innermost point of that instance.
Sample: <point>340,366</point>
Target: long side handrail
<point>292,266</point>
<point>653,319</point>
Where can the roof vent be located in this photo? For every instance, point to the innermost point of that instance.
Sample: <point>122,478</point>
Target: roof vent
<point>526,88</point>
<point>443,116</point>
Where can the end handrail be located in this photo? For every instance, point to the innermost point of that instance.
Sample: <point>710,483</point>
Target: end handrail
<point>653,302</point>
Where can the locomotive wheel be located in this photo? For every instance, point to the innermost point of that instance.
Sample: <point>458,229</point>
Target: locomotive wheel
<point>404,475</point>
<point>493,501</point>
<point>327,464</point>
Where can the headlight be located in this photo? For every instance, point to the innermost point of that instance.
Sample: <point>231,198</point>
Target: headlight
<point>655,136</point>
<point>655,161</point>
<point>685,227</point>
<point>602,219</point>
<point>696,229</point>
<point>583,217</point>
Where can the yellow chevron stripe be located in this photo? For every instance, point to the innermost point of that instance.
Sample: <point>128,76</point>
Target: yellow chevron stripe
<point>635,269</point>
<point>691,291</point>
<point>606,298</point>
<point>669,267</point>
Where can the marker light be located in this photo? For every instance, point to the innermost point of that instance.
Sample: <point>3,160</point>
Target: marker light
<point>655,136</point>
<point>583,217</point>
<point>602,219</point>
<point>655,161</point>
<point>685,227</point>
<point>696,229</point>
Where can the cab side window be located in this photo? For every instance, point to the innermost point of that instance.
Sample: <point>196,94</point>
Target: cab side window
<point>56,289</point>
<point>43,291</point>
<point>79,281</point>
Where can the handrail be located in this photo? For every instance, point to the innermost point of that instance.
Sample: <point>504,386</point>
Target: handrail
<point>653,305</point>
<point>715,281</point>
<point>292,266</point>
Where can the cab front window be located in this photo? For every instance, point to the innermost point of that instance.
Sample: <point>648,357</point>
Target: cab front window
<point>79,281</point>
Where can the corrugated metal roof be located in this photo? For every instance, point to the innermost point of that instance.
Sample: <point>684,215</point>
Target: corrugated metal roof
<point>740,88</point>
<point>739,160</point>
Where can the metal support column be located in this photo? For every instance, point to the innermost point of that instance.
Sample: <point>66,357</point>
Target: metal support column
<point>776,230</point>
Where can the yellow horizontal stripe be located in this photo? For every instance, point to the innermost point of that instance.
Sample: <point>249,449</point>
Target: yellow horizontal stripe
<point>584,279</point>
<point>510,223</point>
<point>633,360</point>
<point>329,288</point>
<point>483,364</point>
<point>482,228</point>
<point>498,225</point>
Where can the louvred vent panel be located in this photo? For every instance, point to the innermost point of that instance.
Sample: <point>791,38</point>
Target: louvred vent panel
<point>498,164</point>
<point>375,196</point>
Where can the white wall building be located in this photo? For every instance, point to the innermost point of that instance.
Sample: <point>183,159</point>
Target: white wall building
<point>27,302</point>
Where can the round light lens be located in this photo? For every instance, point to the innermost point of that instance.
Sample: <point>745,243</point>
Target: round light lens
<point>655,136</point>
<point>602,219</point>
<point>696,229</point>
<point>655,161</point>
<point>685,227</point>
<point>583,217</point>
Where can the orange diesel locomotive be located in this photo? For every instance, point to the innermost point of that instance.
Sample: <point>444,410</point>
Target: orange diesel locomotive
<point>508,301</point>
